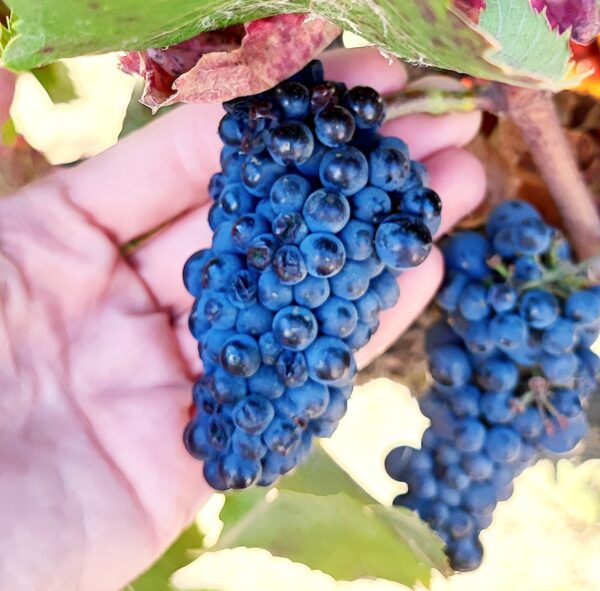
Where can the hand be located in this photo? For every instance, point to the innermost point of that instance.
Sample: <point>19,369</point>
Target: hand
<point>96,363</point>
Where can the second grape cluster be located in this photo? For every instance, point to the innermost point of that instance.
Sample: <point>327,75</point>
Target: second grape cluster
<point>512,370</point>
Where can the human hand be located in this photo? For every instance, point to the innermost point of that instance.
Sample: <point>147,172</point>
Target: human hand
<point>96,363</point>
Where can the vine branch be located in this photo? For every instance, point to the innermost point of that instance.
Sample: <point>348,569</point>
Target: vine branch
<point>535,114</point>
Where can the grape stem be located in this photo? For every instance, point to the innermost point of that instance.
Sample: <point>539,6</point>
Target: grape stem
<point>535,114</point>
<point>583,274</point>
<point>436,101</point>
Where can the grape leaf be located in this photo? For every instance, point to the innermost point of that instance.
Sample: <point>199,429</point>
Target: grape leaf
<point>320,517</point>
<point>56,81</point>
<point>429,31</point>
<point>320,475</point>
<point>179,554</point>
<point>471,8</point>
<point>220,65</point>
<point>525,39</point>
<point>8,133</point>
<point>583,16</point>
<point>323,531</point>
<point>137,114</point>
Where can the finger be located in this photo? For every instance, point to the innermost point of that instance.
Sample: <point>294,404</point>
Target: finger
<point>365,66</point>
<point>459,179</point>
<point>428,134</point>
<point>160,261</point>
<point>188,345</point>
<point>152,175</point>
<point>417,287</point>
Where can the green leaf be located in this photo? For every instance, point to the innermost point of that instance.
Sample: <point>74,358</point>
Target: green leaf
<point>6,21</point>
<point>320,517</point>
<point>320,475</point>
<point>48,30</point>
<point>56,82</point>
<point>8,133</point>
<point>417,535</point>
<point>181,553</point>
<point>427,31</point>
<point>336,534</point>
<point>526,42</point>
<point>137,114</point>
<point>5,35</point>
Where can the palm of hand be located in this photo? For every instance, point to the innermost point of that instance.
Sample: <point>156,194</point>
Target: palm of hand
<point>75,440</point>
<point>95,361</point>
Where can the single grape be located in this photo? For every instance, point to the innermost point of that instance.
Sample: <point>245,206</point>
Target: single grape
<point>345,170</point>
<point>389,167</point>
<point>468,252</point>
<point>311,292</point>
<point>260,251</point>
<point>402,242</point>
<point>292,368</point>
<point>449,366</point>
<point>371,205</point>
<point>337,317</point>
<point>324,254</point>
<point>583,307</point>
<point>539,308</point>
<point>289,264</point>
<point>288,193</point>
<point>351,282</point>
<point>290,228</point>
<point>330,361</point>
<point>366,105</point>
<point>253,414</point>
<point>508,331</point>
<point>295,327</point>
<point>240,355</point>
<point>357,238</point>
<point>326,211</point>
<point>503,444</point>
<point>510,213</point>
<point>293,98</point>
<point>259,172</point>
<point>334,126</point>
<point>254,320</point>
<point>425,205</point>
<point>291,142</point>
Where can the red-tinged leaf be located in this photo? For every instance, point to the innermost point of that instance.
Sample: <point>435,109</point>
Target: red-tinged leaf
<point>160,68</point>
<point>236,61</point>
<point>471,8</point>
<point>582,15</point>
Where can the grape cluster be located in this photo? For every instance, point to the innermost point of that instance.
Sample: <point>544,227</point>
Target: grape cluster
<point>511,367</point>
<point>314,215</point>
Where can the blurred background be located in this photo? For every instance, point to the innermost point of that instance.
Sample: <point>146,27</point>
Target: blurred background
<point>547,536</point>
